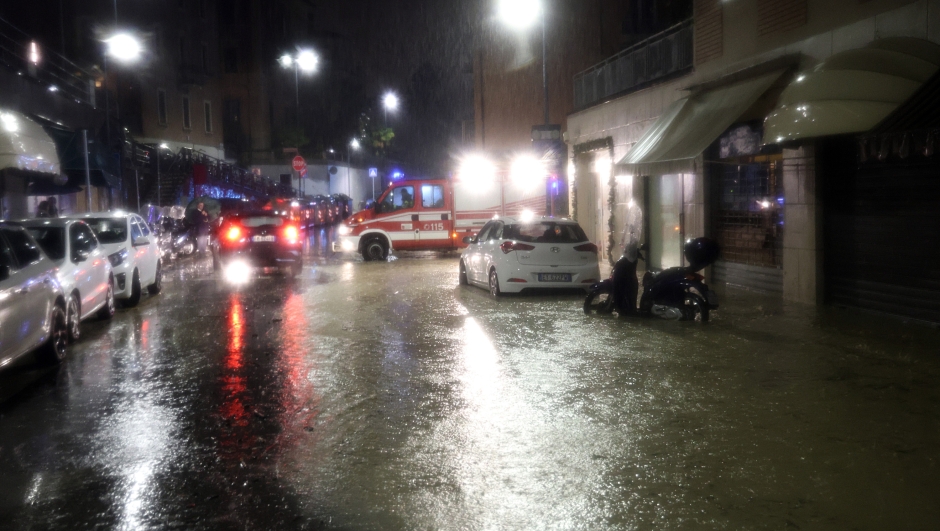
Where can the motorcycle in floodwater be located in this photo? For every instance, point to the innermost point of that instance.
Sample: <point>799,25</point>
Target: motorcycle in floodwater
<point>677,293</point>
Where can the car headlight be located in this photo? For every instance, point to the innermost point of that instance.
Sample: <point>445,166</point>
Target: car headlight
<point>343,230</point>
<point>117,258</point>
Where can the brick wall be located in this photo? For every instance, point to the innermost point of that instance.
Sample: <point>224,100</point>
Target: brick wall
<point>708,30</point>
<point>775,16</point>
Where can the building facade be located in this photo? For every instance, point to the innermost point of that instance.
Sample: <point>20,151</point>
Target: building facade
<point>745,145</point>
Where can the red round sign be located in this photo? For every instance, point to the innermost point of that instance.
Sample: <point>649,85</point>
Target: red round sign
<point>299,163</point>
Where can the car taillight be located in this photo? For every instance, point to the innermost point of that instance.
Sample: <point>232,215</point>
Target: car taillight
<point>586,248</point>
<point>695,276</point>
<point>234,233</point>
<point>508,247</point>
<point>291,233</point>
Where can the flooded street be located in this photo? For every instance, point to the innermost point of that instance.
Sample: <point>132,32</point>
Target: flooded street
<point>368,395</point>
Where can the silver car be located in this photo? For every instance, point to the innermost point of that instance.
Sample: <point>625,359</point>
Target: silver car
<point>32,303</point>
<point>83,268</point>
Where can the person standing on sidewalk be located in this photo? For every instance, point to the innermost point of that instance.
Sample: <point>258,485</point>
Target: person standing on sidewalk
<point>202,228</point>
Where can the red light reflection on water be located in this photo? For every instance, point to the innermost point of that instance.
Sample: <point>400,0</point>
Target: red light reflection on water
<point>233,385</point>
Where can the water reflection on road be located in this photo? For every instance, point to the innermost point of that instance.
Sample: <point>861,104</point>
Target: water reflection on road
<point>368,395</point>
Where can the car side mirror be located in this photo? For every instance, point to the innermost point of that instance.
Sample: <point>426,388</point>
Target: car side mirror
<point>140,242</point>
<point>5,272</point>
<point>469,239</point>
<point>80,255</point>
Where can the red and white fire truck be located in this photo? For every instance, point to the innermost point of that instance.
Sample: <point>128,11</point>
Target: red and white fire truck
<point>433,215</point>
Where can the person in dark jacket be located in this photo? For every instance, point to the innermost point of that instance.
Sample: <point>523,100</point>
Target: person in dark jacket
<point>201,219</point>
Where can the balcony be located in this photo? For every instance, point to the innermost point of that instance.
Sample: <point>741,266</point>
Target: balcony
<point>24,56</point>
<point>662,56</point>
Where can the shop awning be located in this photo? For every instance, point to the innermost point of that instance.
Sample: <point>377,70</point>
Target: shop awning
<point>691,124</point>
<point>25,146</point>
<point>852,91</point>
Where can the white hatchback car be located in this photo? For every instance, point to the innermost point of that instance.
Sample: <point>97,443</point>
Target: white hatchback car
<point>133,251</point>
<point>510,255</point>
<point>82,268</point>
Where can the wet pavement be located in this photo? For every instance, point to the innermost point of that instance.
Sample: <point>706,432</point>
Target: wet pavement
<point>382,396</point>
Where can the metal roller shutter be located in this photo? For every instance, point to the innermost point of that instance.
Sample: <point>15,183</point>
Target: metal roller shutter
<point>882,234</point>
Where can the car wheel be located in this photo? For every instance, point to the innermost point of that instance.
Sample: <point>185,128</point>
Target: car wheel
<point>598,302</point>
<point>375,249</point>
<point>107,311</point>
<point>494,283</point>
<point>135,291</point>
<point>55,348</point>
<point>157,285</point>
<point>462,276</point>
<point>73,318</point>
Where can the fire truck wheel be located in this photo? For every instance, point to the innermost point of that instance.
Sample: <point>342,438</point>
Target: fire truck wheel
<point>375,249</point>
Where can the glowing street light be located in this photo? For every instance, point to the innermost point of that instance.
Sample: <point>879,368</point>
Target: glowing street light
<point>305,61</point>
<point>354,143</point>
<point>527,171</point>
<point>521,15</point>
<point>124,47</point>
<point>476,168</point>
<point>390,103</point>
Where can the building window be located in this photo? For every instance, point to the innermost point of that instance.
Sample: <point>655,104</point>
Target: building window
<point>161,106</point>
<point>187,117</point>
<point>208,109</point>
<point>230,60</point>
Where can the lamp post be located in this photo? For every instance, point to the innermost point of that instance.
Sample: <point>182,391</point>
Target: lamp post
<point>354,146</point>
<point>160,147</point>
<point>306,61</point>
<point>522,15</point>
<point>125,48</point>
<point>389,103</point>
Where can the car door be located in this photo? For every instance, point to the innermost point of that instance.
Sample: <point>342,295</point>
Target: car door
<point>139,251</point>
<point>433,219</point>
<point>152,252</point>
<point>475,255</point>
<point>10,302</point>
<point>397,214</point>
<point>489,249</point>
<point>87,269</point>
<point>33,292</point>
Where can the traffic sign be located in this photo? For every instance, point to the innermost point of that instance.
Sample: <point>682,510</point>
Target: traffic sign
<point>299,163</point>
<point>373,172</point>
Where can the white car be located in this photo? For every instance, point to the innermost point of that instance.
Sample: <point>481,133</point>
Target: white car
<point>133,251</point>
<point>32,306</point>
<point>510,255</point>
<point>82,268</point>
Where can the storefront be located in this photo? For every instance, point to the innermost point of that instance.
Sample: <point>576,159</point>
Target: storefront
<point>28,161</point>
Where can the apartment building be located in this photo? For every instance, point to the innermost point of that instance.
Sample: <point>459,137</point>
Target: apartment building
<point>800,135</point>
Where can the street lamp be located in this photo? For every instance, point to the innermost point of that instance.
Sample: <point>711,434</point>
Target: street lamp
<point>306,61</point>
<point>354,145</point>
<point>125,48</point>
<point>521,15</point>
<point>390,103</point>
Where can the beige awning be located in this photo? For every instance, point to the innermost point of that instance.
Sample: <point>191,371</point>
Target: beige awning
<point>852,91</point>
<point>691,124</point>
<point>25,145</point>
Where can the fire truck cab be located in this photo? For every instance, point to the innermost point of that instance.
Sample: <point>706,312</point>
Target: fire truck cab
<point>430,215</point>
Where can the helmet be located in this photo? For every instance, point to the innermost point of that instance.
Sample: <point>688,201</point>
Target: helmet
<point>701,252</point>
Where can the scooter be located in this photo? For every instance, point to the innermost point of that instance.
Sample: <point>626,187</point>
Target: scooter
<point>677,293</point>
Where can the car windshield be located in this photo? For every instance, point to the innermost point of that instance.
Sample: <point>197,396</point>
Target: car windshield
<point>545,231</point>
<point>109,230</point>
<point>260,221</point>
<point>51,240</point>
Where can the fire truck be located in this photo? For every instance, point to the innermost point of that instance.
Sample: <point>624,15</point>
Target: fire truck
<point>433,215</point>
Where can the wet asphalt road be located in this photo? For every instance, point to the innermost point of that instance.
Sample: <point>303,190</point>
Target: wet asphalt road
<point>382,396</point>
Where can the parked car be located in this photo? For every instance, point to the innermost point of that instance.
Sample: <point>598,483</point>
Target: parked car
<point>133,251</point>
<point>82,268</point>
<point>249,241</point>
<point>32,303</point>
<point>511,255</point>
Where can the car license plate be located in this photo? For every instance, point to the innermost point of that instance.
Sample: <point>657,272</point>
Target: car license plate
<point>264,238</point>
<point>554,277</point>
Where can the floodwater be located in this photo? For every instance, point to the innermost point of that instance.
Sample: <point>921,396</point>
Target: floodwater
<point>382,396</point>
